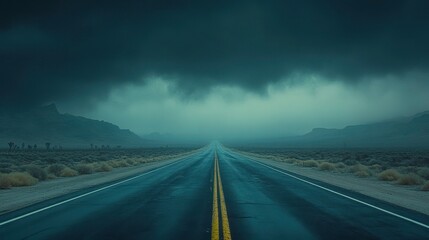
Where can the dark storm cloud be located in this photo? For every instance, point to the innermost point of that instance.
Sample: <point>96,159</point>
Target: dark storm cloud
<point>56,50</point>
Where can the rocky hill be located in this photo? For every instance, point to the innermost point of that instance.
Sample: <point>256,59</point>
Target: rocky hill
<point>46,124</point>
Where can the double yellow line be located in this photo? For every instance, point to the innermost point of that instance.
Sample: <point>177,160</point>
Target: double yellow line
<point>217,186</point>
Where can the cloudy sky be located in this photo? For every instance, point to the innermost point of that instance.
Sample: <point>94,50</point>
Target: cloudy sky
<point>218,69</point>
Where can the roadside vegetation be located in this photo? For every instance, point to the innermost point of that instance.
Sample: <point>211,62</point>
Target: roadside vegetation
<point>26,168</point>
<point>399,167</point>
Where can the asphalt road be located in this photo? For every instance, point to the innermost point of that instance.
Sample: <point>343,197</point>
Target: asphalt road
<point>214,194</point>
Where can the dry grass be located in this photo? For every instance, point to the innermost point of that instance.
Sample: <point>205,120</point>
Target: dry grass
<point>308,163</point>
<point>21,168</point>
<point>16,179</point>
<point>102,167</point>
<point>56,169</point>
<point>402,167</point>
<point>326,166</point>
<point>68,172</point>
<point>389,175</point>
<point>423,172</point>
<point>425,186</point>
<point>410,179</point>
<point>37,172</point>
<point>360,170</point>
<point>340,165</point>
<point>85,169</point>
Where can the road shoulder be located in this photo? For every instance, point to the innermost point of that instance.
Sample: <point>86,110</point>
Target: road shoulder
<point>403,196</point>
<point>16,198</point>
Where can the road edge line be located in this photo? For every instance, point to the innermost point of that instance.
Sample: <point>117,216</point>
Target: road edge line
<point>85,194</point>
<point>345,196</point>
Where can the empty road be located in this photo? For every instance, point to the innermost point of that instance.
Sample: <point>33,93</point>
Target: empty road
<point>214,194</point>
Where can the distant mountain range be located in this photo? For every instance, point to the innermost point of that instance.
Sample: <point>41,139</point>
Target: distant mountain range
<point>407,132</point>
<point>46,124</point>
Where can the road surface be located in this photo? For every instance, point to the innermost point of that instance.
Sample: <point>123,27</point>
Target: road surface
<point>214,194</point>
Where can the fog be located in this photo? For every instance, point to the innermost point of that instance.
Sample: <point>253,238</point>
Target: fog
<point>291,107</point>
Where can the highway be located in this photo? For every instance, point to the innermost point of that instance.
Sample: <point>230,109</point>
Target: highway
<point>214,194</point>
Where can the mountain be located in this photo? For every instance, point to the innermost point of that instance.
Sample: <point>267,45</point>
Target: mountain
<point>411,132</point>
<point>405,132</point>
<point>46,124</point>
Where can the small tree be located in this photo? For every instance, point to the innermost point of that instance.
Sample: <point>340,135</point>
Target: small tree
<point>35,146</point>
<point>23,146</point>
<point>48,145</point>
<point>11,145</point>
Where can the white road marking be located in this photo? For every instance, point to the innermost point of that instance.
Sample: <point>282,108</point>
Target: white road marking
<point>345,196</point>
<point>85,194</point>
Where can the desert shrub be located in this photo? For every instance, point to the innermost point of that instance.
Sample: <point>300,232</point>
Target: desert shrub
<point>103,167</point>
<point>309,163</point>
<point>85,169</point>
<point>131,162</point>
<point>289,160</point>
<point>423,172</point>
<point>362,173</point>
<point>410,179</point>
<point>425,186</point>
<point>389,175</point>
<point>5,182</point>
<point>326,166</point>
<point>340,165</point>
<point>376,167</point>
<point>37,172</point>
<point>113,163</point>
<point>17,179</point>
<point>56,169</point>
<point>123,163</point>
<point>68,172</point>
<point>360,170</point>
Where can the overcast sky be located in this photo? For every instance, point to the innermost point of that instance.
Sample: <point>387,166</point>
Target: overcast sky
<point>218,68</point>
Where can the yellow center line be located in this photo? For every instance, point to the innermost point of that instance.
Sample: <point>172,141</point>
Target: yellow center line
<point>215,214</point>
<point>225,222</point>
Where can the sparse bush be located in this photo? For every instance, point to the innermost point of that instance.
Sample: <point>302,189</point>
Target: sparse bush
<point>131,162</point>
<point>424,172</point>
<point>425,186</point>
<point>389,175</point>
<point>326,166</point>
<point>37,172</point>
<point>113,163</point>
<point>410,179</point>
<point>376,167</point>
<point>85,169</point>
<point>103,167</point>
<point>289,160</point>
<point>360,170</point>
<point>309,163</point>
<point>16,179</point>
<point>68,172</point>
<point>123,163</point>
<point>362,174</point>
<point>5,182</point>
<point>56,169</point>
<point>340,165</point>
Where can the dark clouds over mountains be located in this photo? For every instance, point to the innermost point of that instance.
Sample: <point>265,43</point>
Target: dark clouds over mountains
<point>62,50</point>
